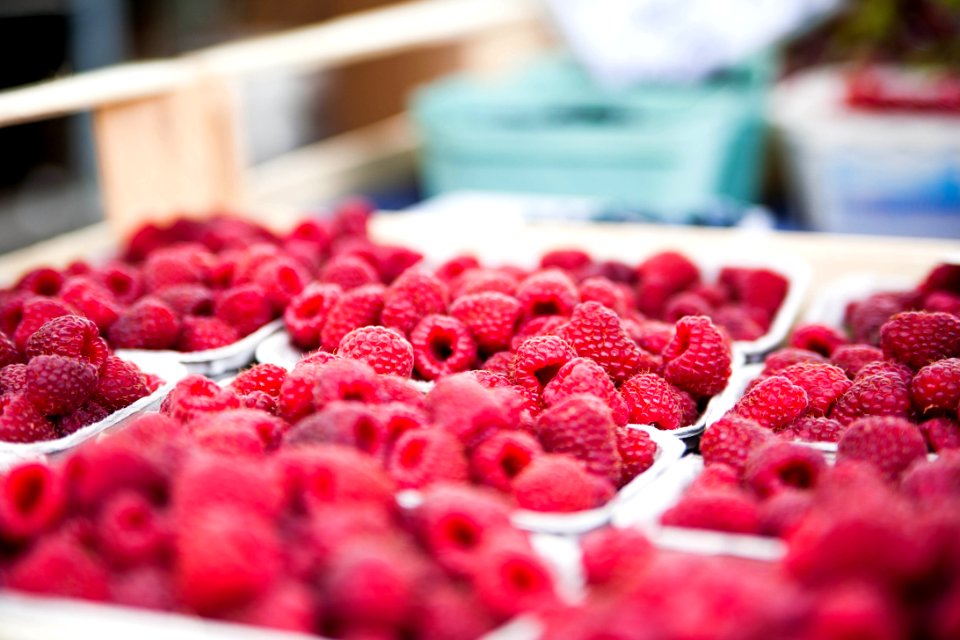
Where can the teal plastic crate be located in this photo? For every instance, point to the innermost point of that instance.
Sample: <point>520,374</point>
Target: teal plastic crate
<point>668,149</point>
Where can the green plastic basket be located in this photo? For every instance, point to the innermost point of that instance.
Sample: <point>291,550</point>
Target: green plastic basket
<point>668,149</point>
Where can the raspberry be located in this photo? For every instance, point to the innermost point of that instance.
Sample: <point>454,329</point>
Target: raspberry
<point>689,408</point>
<point>306,314</point>
<point>697,358</point>
<point>391,261</point>
<point>188,299</point>
<point>918,338</point>
<point>238,432</point>
<point>882,394</point>
<point>491,318</point>
<point>281,279</point>
<point>348,423</point>
<point>653,401</point>
<point>348,272</point>
<point>59,565</point>
<point>651,335</point>
<point>462,406</point>
<point>538,326</point>
<point>783,358</point>
<point>385,350</point>
<point>260,400</point>
<point>614,556</point>
<point>446,612</point>
<point>260,377</point>
<point>823,383</point>
<point>584,376</point>
<point>941,433</point>
<point>88,413</point>
<point>224,558</point>
<point>98,470</point>
<point>394,389</point>
<point>942,301</point>
<point>865,318</point>
<point>888,443</point>
<point>57,384</point>
<point>124,281</point>
<point>148,324</point>
<point>559,483</point>
<point>718,475</point>
<point>91,300</point>
<point>456,267</point>
<point>499,458</point>
<point>582,427</point>
<point>570,260</point>
<point>683,304</point>
<point>596,332</point>
<point>738,323</point>
<point>35,313</point>
<point>355,308</point>
<point>287,606</point>
<point>195,396</point>
<point>351,216</point>
<point>412,296</point>
<point>728,510</point>
<point>933,480</point>
<point>855,610</point>
<point>660,276</point>
<point>33,499</point>
<point>550,292</point>
<point>207,481</point>
<point>852,358</point>
<point>604,291</point>
<point>170,266</point>
<point>759,288</point>
<point>637,450</point>
<point>426,456</point>
<point>815,429</point>
<point>500,362</point>
<point>731,439</point>
<point>43,281</point>
<point>510,579</point>
<point>70,336</point>
<point>486,280</point>
<point>539,359</point>
<point>328,474</point>
<point>344,380</point>
<point>818,338</point>
<point>295,399</point>
<point>373,583</point>
<point>442,345</point>
<point>778,466</point>
<point>773,403</point>
<point>9,354</point>
<point>936,387</point>
<point>783,512</point>
<point>199,334</point>
<point>130,531</point>
<point>898,369</point>
<point>399,417</point>
<point>245,307</point>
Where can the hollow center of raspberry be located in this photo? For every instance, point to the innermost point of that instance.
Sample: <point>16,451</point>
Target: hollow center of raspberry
<point>441,346</point>
<point>548,307</point>
<point>119,283</point>
<point>365,433</point>
<point>135,518</point>
<point>519,576</point>
<point>547,373</point>
<point>513,461</point>
<point>462,533</point>
<point>311,307</point>
<point>412,454</point>
<point>288,280</point>
<point>27,493</point>
<point>798,475</point>
<point>47,286</point>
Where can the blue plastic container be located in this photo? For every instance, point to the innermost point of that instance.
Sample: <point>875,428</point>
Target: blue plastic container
<point>668,149</point>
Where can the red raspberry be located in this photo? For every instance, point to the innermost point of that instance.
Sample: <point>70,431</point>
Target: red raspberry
<point>456,266</point>
<point>148,324</point>
<point>322,475</point>
<point>738,323</point>
<point>550,292</point>
<point>412,296</point>
<point>9,354</point>
<point>651,335</point>
<point>888,443</point>
<point>941,434</point>
<point>500,362</point>
<point>188,299</point>
<point>731,439</point>
<point>942,301</point>
<point>815,429</point>
<point>282,279</point>
<point>662,275</point>
<point>124,281</point>
<point>653,401</point>
<point>238,433</point>
<point>698,357</point>
<point>129,530</point>
<point>344,380</point>
<point>195,396</point>
<point>933,481</point>
<point>199,334</point>
<point>261,401</point>
<point>348,423</point>
<point>385,350</point>
<point>510,579</point>
<point>689,408</point>
<point>224,558</point>
<point>918,338</point>
<point>35,313</point>
<point>348,272</point>
<point>446,612</point>
<point>442,345</point>
<point>582,375</point>
<point>89,413</point>
<point>69,336</point>
<point>499,458</point>
<point>539,359</point>
<point>817,337</point>
<point>718,475</point>
<point>604,291</point>
<point>57,385</point>
<point>943,277</point>
<point>783,358</point>
<point>728,510</point>
<point>34,497</point>
<point>287,606</point>
<point>351,216</point>
<point>486,280</point>
<point>779,466</point>
<point>637,450</point>
<point>245,307</point>
<point>866,317</point>
<point>596,332</point>
<point>936,387</point>
<point>461,405</point>
<point>898,369</point>
<point>355,308</point>
<point>538,326</point>
<point>882,394</point>
<point>823,383</point>
<point>782,513</point>
<point>559,483</point>
<point>427,456</point>
<point>295,399</point>
<point>855,610</point>
<point>570,260</point>
<point>582,427</point>
<point>44,281</point>
<point>852,358</point>
<point>685,303</point>
<point>260,377</point>
<point>208,481</point>
<point>168,267</point>
<point>774,403</point>
<point>391,261</point>
<point>757,288</point>
<point>316,231</point>
<point>615,556</point>
<point>92,300</point>
<point>307,313</point>
<point>394,389</point>
<point>60,565</point>
<point>491,318</point>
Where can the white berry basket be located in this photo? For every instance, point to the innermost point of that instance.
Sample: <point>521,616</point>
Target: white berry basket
<point>161,365</point>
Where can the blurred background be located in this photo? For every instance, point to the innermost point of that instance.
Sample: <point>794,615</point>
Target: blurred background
<point>826,115</point>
